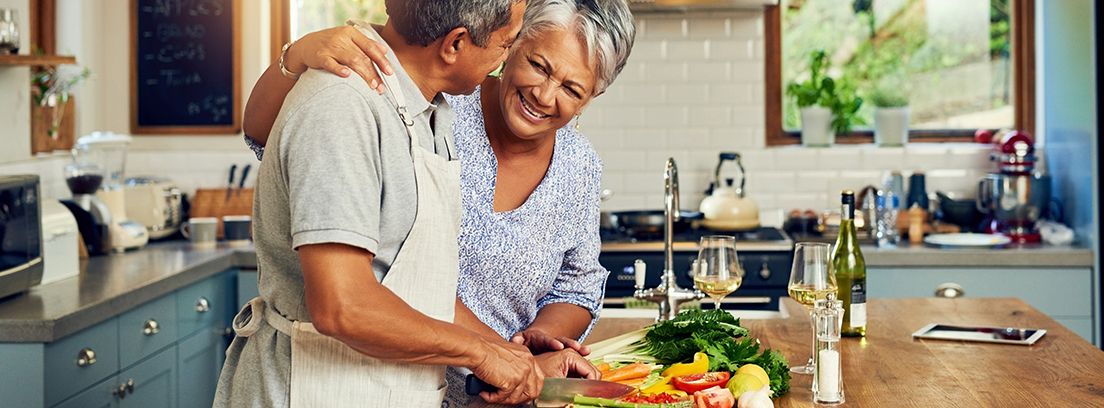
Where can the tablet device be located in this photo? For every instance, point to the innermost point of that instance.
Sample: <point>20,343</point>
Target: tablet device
<point>1003,335</point>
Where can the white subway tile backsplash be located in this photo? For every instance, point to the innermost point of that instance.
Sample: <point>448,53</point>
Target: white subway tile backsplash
<point>734,138</point>
<point>771,182</point>
<point>661,72</point>
<point>749,115</point>
<point>623,116</point>
<point>665,28</point>
<point>643,94</point>
<point>667,117</point>
<point>690,51</point>
<point>928,158</point>
<point>816,180</point>
<point>736,50</point>
<point>711,72</point>
<point>758,160</point>
<point>707,28</point>
<point>679,94</point>
<point>602,139</point>
<point>839,158</point>
<point>883,158</point>
<point>746,25</point>
<point>795,158</point>
<point>711,116</point>
<point>739,94</point>
<point>648,51</point>
<point>649,139</point>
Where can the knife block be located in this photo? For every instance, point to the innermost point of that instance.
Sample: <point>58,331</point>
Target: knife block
<point>214,202</point>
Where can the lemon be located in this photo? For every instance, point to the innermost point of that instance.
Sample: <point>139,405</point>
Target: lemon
<point>755,370</point>
<point>744,382</point>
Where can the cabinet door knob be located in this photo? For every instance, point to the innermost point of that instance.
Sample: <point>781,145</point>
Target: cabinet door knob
<point>765,272</point>
<point>202,305</point>
<point>130,385</point>
<point>151,328</point>
<point>86,357</point>
<point>950,290</point>
<point>120,392</point>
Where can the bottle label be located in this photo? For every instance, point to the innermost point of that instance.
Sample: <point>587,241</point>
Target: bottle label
<point>858,303</point>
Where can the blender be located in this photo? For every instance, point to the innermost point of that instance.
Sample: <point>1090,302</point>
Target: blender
<point>96,180</point>
<point>1014,198</point>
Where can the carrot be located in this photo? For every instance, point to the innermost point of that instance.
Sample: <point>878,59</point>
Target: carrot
<point>631,371</point>
<point>603,368</point>
<point>633,382</point>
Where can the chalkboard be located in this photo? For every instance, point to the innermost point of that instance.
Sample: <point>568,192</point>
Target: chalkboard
<point>185,66</point>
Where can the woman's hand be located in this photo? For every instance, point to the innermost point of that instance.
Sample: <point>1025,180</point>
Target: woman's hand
<point>567,363</point>
<point>538,341</point>
<point>341,51</point>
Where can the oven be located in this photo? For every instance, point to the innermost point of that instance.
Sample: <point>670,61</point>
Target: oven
<point>21,263</point>
<point>765,255</point>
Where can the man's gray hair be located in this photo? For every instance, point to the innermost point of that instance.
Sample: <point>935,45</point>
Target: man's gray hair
<point>607,27</point>
<point>424,21</point>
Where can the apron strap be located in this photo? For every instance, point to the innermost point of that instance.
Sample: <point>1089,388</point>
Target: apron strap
<point>256,312</point>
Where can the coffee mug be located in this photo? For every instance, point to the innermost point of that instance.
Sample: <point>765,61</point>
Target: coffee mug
<point>202,232</point>
<point>237,229</point>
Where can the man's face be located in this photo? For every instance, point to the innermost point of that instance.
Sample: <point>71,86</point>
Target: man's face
<point>475,63</point>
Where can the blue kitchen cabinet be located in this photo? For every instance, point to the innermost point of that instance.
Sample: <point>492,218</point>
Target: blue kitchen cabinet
<point>102,395</point>
<point>1064,294</point>
<point>199,359</point>
<point>151,383</point>
<point>247,286</point>
<point>167,352</point>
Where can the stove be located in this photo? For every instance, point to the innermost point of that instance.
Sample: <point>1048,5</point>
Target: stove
<point>766,255</point>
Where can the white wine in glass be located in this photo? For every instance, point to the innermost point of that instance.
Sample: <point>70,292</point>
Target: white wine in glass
<point>810,280</point>
<point>717,271</point>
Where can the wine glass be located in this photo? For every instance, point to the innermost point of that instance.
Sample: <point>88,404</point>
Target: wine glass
<point>717,271</point>
<point>810,279</point>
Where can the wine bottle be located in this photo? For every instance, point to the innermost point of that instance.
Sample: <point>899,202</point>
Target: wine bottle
<point>850,270</point>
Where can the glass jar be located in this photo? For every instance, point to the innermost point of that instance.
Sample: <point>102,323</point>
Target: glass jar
<point>9,31</point>
<point>828,371</point>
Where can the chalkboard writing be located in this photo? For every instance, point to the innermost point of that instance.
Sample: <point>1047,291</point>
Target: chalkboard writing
<point>185,66</point>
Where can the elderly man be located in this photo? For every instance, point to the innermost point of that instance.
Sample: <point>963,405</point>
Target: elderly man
<point>358,299</point>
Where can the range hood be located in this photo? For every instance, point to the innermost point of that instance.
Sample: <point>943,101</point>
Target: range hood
<point>695,5</point>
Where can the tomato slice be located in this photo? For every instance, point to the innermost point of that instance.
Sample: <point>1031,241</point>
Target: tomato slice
<point>714,398</point>
<point>697,382</point>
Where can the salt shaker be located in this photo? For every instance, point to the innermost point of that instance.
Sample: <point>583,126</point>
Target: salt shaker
<point>828,373</point>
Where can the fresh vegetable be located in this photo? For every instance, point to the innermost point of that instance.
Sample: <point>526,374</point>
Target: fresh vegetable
<point>633,382</point>
<point>603,367</point>
<point>629,372</point>
<point>714,332</point>
<point>756,399</point>
<point>581,402</point>
<point>715,397</point>
<point>662,384</point>
<point>744,382</point>
<point>653,399</point>
<point>699,366</point>
<point>755,370</point>
<point>697,382</point>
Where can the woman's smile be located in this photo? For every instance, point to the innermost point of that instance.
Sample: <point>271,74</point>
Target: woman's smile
<point>531,113</point>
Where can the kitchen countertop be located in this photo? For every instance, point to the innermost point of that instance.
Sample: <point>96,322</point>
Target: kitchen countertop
<point>110,285</point>
<point>889,368</point>
<point>920,256</point>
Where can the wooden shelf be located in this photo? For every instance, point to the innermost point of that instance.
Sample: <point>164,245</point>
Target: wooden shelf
<point>36,60</point>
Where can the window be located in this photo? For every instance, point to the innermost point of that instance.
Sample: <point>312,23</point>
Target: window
<point>292,19</point>
<point>961,64</point>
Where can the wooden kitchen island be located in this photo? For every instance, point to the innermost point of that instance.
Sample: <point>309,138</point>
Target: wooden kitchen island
<point>890,369</point>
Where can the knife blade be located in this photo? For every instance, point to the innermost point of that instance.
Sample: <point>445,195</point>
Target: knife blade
<point>560,390</point>
<point>244,176</point>
<point>230,182</point>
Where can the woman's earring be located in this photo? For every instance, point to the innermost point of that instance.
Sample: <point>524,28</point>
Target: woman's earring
<point>577,125</point>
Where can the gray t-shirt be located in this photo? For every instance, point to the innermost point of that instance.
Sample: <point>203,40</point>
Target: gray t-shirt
<point>339,170</point>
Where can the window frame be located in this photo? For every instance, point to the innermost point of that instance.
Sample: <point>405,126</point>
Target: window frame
<point>1023,78</point>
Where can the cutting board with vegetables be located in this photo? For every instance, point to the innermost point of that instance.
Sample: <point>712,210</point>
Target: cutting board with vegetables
<point>700,359</point>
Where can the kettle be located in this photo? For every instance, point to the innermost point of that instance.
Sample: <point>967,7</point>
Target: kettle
<point>725,208</point>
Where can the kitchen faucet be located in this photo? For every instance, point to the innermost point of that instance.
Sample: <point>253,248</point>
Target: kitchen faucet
<point>668,294</point>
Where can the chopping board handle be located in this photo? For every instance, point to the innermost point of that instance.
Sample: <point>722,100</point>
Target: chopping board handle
<point>473,385</point>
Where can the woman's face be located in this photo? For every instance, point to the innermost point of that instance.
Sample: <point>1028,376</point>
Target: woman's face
<point>548,79</point>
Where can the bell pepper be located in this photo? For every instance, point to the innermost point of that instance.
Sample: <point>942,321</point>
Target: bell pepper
<point>700,365</point>
<point>698,382</point>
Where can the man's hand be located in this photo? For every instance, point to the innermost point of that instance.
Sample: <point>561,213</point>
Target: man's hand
<point>567,363</point>
<point>513,370</point>
<point>538,341</point>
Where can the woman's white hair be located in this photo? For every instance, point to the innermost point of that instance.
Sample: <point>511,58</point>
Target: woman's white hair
<point>606,26</point>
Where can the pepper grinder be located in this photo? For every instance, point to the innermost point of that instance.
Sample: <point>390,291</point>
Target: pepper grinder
<point>828,373</point>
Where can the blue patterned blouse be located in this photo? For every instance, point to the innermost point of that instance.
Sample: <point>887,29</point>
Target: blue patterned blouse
<point>546,251</point>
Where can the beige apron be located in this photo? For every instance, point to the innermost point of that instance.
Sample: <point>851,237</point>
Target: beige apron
<point>326,372</point>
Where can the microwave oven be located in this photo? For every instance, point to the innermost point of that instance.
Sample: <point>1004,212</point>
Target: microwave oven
<point>21,262</point>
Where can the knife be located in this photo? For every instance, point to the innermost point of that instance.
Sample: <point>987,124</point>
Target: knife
<point>244,176</point>
<point>230,182</point>
<point>560,390</point>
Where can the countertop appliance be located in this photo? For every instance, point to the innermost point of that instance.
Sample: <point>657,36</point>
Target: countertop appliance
<point>21,263</point>
<point>156,203</point>
<point>1017,196</point>
<point>60,242</point>
<point>766,255</point>
<point>107,153</point>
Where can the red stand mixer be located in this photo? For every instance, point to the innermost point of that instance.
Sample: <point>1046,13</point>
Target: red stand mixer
<point>1014,198</point>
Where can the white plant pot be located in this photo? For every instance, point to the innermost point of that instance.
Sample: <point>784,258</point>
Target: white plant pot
<point>891,126</point>
<point>816,127</point>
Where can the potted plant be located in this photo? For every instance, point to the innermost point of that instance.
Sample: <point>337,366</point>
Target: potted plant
<point>51,88</point>
<point>891,116</point>
<point>827,106</point>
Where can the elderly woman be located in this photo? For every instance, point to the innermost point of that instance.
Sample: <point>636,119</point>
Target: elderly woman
<point>530,183</point>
